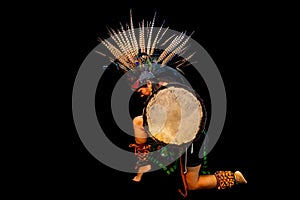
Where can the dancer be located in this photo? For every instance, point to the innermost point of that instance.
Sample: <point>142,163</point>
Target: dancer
<point>148,65</point>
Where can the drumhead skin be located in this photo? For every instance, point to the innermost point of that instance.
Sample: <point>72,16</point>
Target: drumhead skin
<point>173,115</point>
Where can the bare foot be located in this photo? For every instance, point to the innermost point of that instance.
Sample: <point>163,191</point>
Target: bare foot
<point>239,177</point>
<point>141,171</point>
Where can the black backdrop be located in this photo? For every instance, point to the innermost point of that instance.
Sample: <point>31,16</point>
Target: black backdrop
<point>230,38</point>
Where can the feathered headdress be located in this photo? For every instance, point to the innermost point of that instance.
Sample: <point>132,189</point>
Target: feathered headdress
<point>141,54</point>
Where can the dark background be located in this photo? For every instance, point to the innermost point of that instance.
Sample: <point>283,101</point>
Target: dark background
<point>235,40</point>
<point>229,41</point>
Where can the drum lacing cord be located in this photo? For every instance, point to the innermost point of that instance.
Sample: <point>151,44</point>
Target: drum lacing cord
<point>185,160</point>
<point>184,172</point>
<point>185,193</point>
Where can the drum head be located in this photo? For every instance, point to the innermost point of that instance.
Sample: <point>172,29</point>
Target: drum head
<point>173,115</point>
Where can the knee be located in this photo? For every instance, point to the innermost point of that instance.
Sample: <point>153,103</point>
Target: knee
<point>138,121</point>
<point>192,177</point>
<point>191,182</point>
<point>191,185</point>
